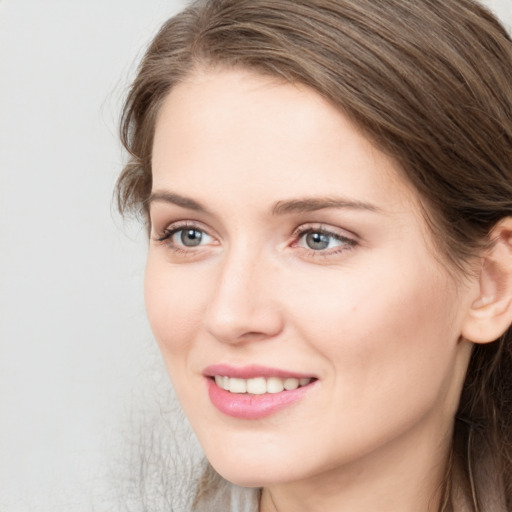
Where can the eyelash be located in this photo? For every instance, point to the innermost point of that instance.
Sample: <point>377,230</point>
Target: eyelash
<point>169,232</point>
<point>346,243</point>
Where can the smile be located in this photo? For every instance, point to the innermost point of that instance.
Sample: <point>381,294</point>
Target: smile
<point>255,392</point>
<point>260,385</point>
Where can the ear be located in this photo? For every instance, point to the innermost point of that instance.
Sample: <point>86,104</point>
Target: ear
<point>490,314</point>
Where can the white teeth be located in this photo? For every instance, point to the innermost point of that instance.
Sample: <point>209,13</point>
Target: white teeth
<point>275,385</point>
<point>237,385</point>
<point>257,386</point>
<point>260,385</point>
<point>290,384</point>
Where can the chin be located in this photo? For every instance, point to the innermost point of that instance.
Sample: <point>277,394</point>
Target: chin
<point>257,467</point>
<point>245,475</point>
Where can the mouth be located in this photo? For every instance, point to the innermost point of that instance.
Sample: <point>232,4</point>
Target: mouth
<point>255,392</point>
<point>260,385</point>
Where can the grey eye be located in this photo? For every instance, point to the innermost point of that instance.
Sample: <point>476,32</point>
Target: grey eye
<point>318,241</point>
<point>190,237</point>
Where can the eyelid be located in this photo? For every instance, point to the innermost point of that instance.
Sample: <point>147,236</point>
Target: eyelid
<point>339,233</point>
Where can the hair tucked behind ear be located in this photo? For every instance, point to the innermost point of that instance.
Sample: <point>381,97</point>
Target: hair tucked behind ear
<point>430,82</point>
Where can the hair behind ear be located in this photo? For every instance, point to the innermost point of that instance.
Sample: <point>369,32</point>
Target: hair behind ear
<point>483,440</point>
<point>482,452</point>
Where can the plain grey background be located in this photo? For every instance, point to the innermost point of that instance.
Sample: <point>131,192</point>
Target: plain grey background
<point>77,360</point>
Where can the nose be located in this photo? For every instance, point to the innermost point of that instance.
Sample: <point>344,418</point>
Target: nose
<point>243,306</point>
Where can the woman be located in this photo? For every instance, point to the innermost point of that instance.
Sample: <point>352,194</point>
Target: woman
<point>327,185</point>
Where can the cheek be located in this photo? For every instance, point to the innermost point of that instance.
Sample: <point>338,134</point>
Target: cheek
<point>174,304</point>
<point>388,338</point>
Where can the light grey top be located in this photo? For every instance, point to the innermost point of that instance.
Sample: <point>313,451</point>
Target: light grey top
<point>230,498</point>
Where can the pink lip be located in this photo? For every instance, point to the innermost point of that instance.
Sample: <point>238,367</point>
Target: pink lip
<point>247,406</point>
<point>250,372</point>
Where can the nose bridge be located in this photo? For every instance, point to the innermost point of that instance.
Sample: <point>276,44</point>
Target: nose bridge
<point>241,306</point>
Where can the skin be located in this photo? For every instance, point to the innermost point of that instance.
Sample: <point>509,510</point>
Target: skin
<point>376,316</point>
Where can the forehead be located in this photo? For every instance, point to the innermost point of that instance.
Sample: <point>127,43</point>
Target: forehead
<point>254,135</point>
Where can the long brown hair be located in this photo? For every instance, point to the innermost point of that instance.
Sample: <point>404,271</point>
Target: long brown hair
<point>430,82</point>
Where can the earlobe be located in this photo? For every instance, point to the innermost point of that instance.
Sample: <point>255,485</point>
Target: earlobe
<point>490,314</point>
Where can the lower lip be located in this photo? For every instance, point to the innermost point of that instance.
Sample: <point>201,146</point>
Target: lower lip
<point>252,407</point>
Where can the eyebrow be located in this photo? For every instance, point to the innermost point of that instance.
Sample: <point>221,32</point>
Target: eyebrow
<point>320,203</point>
<point>308,204</point>
<point>169,197</point>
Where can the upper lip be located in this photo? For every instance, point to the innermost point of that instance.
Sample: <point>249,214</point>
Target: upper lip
<point>251,371</point>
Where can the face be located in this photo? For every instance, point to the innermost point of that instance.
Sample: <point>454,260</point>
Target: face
<point>305,319</point>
